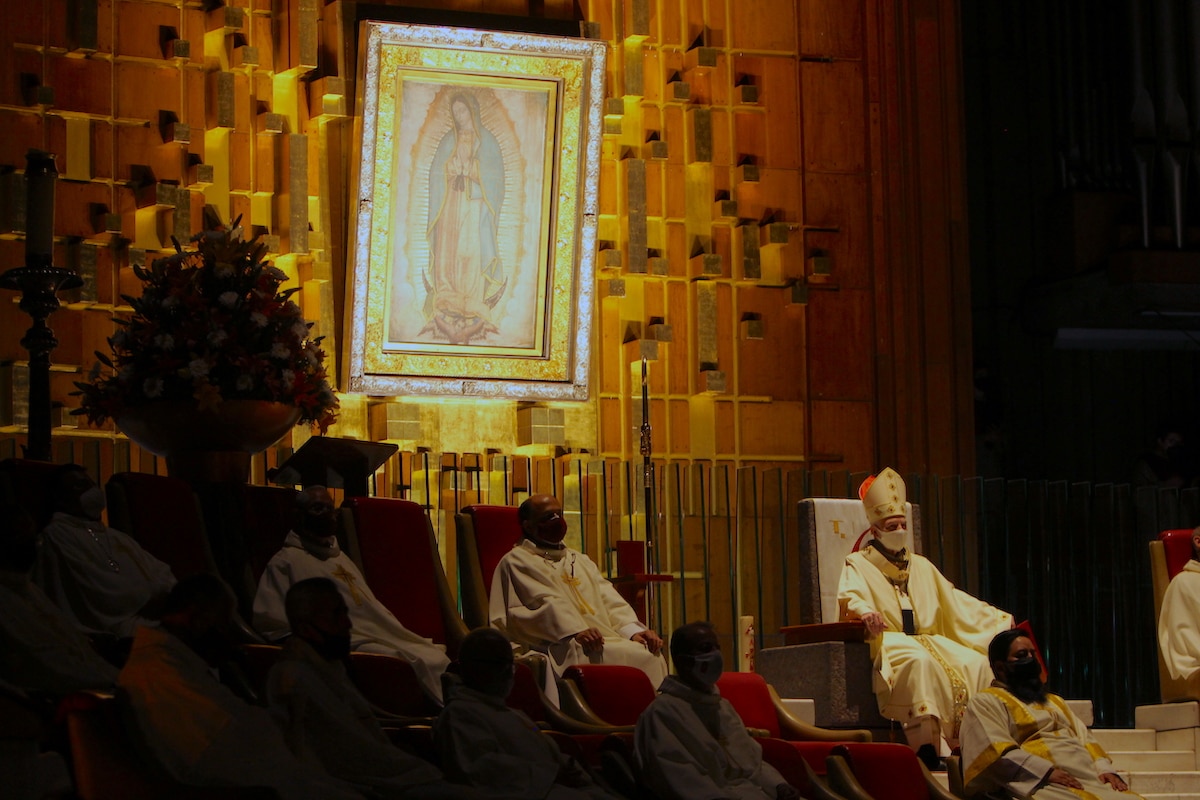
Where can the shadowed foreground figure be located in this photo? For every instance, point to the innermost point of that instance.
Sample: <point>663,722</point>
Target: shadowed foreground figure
<point>1018,737</point>
<point>497,749</point>
<point>199,731</point>
<point>326,720</point>
<point>690,743</point>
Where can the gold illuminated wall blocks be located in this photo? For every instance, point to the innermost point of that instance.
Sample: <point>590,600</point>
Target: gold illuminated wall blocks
<point>538,424</point>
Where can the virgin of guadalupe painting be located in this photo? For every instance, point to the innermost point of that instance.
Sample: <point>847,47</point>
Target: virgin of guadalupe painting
<point>468,267</point>
<point>465,278</point>
<point>476,213</point>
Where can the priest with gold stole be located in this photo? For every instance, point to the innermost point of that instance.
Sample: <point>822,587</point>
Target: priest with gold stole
<point>554,599</point>
<point>928,639</point>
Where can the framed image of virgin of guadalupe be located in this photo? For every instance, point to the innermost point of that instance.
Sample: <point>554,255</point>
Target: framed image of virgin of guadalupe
<point>474,241</point>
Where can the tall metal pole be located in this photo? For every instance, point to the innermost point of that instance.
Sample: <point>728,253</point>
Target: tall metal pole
<point>648,486</point>
<point>39,283</point>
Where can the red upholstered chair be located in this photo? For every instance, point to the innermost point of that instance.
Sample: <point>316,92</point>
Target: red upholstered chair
<point>107,764</point>
<point>164,516</point>
<point>803,765</point>
<point>257,660</point>
<point>485,534</point>
<point>391,685</point>
<point>1168,554</point>
<point>26,483</point>
<point>527,696</point>
<point>605,694</point>
<point>760,708</point>
<point>401,564</point>
<point>879,771</point>
<point>267,513</point>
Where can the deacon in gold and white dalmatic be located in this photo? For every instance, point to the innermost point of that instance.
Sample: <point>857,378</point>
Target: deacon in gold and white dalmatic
<point>928,639</point>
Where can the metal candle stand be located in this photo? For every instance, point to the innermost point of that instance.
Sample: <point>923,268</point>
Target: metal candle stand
<point>39,283</point>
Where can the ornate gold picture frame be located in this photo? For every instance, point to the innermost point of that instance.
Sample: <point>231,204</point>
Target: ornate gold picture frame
<point>474,241</point>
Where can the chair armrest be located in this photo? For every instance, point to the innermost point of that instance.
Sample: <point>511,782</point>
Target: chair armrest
<point>795,729</point>
<point>936,790</point>
<point>573,706</point>
<point>842,780</point>
<point>848,631</point>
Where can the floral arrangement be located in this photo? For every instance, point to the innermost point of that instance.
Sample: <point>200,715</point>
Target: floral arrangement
<point>210,325</point>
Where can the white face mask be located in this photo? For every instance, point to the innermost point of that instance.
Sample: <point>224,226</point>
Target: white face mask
<point>707,668</point>
<point>92,502</point>
<point>892,540</point>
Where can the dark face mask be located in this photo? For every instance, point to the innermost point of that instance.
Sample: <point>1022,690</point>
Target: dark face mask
<point>1024,677</point>
<point>552,531</point>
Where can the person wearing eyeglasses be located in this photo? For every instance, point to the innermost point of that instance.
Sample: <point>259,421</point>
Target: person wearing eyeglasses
<point>928,639</point>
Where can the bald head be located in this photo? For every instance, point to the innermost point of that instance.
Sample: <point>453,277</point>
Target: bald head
<point>486,662</point>
<point>307,599</point>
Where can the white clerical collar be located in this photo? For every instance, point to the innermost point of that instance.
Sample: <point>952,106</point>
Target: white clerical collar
<point>549,553</point>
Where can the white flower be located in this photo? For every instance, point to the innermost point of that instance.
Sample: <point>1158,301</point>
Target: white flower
<point>259,319</point>
<point>288,377</point>
<point>228,299</point>
<point>245,382</point>
<point>198,367</point>
<point>164,341</point>
<point>280,350</point>
<point>152,387</point>
<point>300,330</point>
<point>170,301</point>
<point>217,337</point>
<point>223,270</point>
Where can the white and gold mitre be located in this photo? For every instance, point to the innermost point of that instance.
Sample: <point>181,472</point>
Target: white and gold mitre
<point>883,495</point>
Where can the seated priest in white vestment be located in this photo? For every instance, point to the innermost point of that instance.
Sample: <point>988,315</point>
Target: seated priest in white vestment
<point>928,639</point>
<point>100,577</point>
<point>41,650</point>
<point>554,599</point>
<point>1019,738</point>
<point>311,551</point>
<point>1179,619</point>
<point>690,743</point>
<point>199,731</point>
<point>499,750</point>
<point>325,718</point>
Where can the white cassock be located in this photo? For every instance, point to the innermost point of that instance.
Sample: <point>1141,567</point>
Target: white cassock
<point>935,672</point>
<point>1011,745</point>
<point>203,734</point>
<point>99,576</point>
<point>374,629</point>
<point>541,597</point>
<point>500,751</point>
<point>692,745</point>
<point>327,721</point>
<point>40,648</point>
<point>1179,624</point>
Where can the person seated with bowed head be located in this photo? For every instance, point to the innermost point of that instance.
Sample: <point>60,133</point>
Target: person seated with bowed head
<point>41,650</point>
<point>311,551</point>
<point>553,599</point>
<point>199,731</point>
<point>1179,620</point>
<point>499,750</point>
<point>1019,738</point>
<point>326,720</point>
<point>100,577</point>
<point>691,743</point>
<point>928,638</point>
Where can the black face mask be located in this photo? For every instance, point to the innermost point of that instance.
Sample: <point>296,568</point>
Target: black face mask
<point>1024,678</point>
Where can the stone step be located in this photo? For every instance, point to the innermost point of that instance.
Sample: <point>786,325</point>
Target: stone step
<point>1154,760</point>
<point>1168,716</point>
<point>1083,710</point>
<point>804,709</point>
<point>1164,782</point>
<point>1127,739</point>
